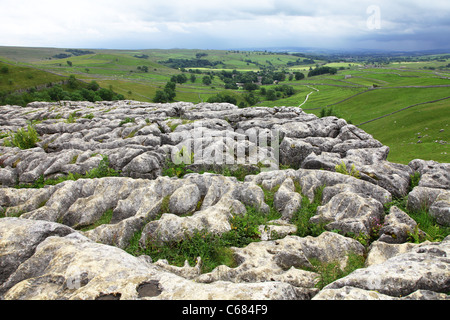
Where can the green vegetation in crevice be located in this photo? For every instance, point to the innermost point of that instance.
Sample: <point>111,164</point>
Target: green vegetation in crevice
<point>180,170</point>
<point>307,210</point>
<point>102,170</point>
<point>425,222</point>
<point>213,249</point>
<point>332,271</point>
<point>342,168</point>
<point>104,219</point>
<point>23,139</point>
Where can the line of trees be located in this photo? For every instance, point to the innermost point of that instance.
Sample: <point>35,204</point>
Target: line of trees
<point>185,63</point>
<point>322,70</point>
<point>74,90</point>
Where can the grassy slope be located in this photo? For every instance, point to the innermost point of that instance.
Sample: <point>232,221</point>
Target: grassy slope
<point>402,130</point>
<point>19,78</point>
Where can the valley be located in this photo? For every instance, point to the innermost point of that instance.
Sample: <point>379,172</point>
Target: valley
<point>403,101</point>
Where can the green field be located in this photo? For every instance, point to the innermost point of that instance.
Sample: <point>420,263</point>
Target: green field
<point>360,91</point>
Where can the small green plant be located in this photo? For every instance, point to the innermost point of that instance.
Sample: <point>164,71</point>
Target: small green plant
<point>331,271</point>
<point>104,219</point>
<point>307,210</point>
<point>164,206</point>
<point>74,159</point>
<point>245,228</point>
<point>175,170</point>
<point>103,170</point>
<point>415,179</point>
<point>415,236</point>
<point>23,139</point>
<point>427,223</point>
<point>10,213</point>
<point>328,112</point>
<point>126,120</point>
<point>72,117</point>
<point>178,169</point>
<point>367,238</point>
<point>342,168</point>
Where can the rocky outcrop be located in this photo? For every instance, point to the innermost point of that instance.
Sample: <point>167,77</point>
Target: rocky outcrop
<point>425,268</point>
<point>68,240</point>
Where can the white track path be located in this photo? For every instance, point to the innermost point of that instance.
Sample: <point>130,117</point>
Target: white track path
<point>307,96</point>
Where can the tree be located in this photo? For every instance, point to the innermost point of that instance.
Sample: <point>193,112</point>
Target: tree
<point>299,76</point>
<point>181,78</point>
<point>143,68</point>
<point>193,78</point>
<point>169,90</point>
<point>287,90</point>
<point>69,63</point>
<point>57,93</point>
<point>166,95</point>
<point>72,82</point>
<point>280,76</point>
<point>251,99</point>
<point>160,97</point>
<point>106,94</point>
<point>93,85</point>
<point>206,80</point>
<point>271,95</point>
<point>223,97</point>
<point>249,86</point>
<point>170,85</point>
<point>322,70</point>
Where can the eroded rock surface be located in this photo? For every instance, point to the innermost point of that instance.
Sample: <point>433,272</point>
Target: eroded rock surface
<point>53,244</point>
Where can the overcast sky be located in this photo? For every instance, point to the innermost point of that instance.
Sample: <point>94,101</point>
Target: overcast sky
<point>225,24</point>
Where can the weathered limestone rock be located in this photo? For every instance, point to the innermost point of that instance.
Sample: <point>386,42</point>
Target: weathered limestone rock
<point>294,151</point>
<point>171,227</point>
<point>371,165</point>
<point>398,227</point>
<point>19,239</point>
<point>433,174</point>
<point>146,165</point>
<point>276,229</point>
<point>351,293</point>
<point>380,251</point>
<point>434,199</point>
<point>73,267</point>
<point>426,267</point>
<point>349,212</point>
<point>45,255</point>
<point>286,200</point>
<point>285,259</point>
<point>184,200</point>
<point>440,209</point>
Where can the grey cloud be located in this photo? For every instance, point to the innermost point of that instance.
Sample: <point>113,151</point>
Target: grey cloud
<point>220,24</point>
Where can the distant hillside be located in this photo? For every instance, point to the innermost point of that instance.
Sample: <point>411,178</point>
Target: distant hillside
<point>385,88</point>
<point>18,78</point>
